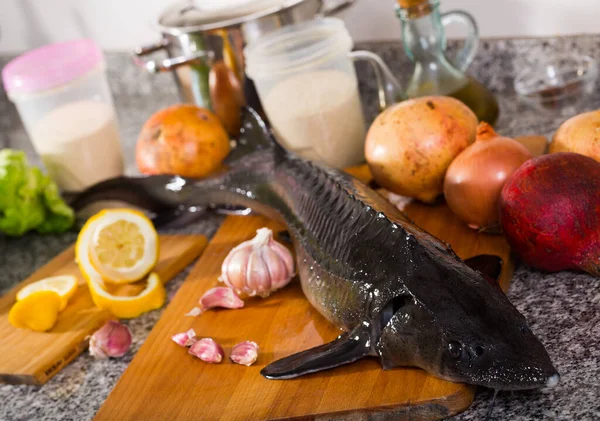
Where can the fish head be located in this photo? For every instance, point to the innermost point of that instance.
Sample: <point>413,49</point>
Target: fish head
<point>464,332</point>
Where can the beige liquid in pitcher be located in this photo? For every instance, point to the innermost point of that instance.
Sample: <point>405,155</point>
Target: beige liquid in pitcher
<point>318,115</point>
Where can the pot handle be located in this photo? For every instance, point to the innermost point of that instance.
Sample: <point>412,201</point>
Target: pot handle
<point>389,89</point>
<point>337,7</point>
<point>167,64</point>
<point>149,49</point>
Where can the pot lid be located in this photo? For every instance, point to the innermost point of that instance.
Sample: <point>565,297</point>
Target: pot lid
<point>214,14</point>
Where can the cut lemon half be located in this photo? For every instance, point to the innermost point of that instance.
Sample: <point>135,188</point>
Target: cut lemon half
<point>64,285</point>
<point>151,298</point>
<point>119,245</point>
<point>38,311</point>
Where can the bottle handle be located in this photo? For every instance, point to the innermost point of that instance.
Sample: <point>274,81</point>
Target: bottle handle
<point>467,53</point>
<point>389,89</point>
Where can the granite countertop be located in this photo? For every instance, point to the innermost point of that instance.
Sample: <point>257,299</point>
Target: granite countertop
<point>563,309</point>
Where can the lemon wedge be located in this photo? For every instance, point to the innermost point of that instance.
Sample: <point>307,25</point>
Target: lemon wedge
<point>38,311</point>
<point>119,245</point>
<point>64,285</point>
<point>152,297</point>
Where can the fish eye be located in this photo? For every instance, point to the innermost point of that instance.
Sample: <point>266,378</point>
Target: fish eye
<point>525,329</point>
<point>455,349</point>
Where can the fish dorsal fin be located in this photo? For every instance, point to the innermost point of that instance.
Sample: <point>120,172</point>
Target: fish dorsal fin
<point>346,348</point>
<point>490,266</point>
<point>254,135</point>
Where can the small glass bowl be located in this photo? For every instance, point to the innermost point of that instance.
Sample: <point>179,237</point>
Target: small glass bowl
<point>557,82</point>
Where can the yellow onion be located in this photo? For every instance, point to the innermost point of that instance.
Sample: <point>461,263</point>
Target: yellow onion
<point>474,179</point>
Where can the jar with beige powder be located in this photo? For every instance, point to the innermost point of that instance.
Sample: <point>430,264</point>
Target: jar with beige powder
<point>64,100</point>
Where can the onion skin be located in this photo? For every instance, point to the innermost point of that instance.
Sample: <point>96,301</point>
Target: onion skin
<point>579,134</point>
<point>474,180</point>
<point>410,145</point>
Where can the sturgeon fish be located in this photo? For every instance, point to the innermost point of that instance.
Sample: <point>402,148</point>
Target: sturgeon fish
<point>397,292</point>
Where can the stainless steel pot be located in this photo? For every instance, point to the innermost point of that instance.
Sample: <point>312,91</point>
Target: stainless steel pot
<point>198,50</point>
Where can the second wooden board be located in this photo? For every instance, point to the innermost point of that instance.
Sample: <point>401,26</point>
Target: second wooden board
<point>34,357</point>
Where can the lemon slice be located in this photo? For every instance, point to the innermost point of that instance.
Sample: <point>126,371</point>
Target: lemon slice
<point>151,298</point>
<point>38,311</point>
<point>64,285</point>
<point>119,245</point>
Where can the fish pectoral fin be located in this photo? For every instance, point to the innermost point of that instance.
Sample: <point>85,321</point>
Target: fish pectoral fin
<point>489,265</point>
<point>346,348</point>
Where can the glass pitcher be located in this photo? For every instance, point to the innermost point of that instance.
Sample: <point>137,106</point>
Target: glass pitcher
<point>424,41</point>
<point>305,77</point>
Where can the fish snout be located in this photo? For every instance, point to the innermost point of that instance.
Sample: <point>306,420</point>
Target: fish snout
<point>553,380</point>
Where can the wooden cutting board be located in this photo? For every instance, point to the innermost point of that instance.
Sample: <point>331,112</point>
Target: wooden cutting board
<point>32,357</point>
<point>164,382</point>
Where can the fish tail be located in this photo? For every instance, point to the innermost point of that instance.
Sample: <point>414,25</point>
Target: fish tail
<point>255,135</point>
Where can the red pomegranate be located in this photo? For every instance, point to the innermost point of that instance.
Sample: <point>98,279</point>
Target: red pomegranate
<point>550,212</point>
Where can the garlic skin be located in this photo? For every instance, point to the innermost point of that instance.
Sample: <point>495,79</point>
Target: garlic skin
<point>244,353</point>
<point>111,340</point>
<point>185,339</point>
<point>195,311</point>
<point>207,350</point>
<point>259,266</point>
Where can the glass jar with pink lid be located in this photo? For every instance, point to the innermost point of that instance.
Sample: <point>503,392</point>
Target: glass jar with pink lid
<point>64,100</point>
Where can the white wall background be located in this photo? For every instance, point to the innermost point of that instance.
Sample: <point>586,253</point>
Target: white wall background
<point>124,24</point>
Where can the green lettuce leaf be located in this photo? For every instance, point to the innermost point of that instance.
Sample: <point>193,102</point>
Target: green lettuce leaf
<point>28,199</point>
<point>60,217</point>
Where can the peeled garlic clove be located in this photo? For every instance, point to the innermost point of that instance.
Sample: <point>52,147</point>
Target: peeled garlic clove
<point>185,339</point>
<point>258,266</point>
<point>111,340</point>
<point>207,350</point>
<point>220,297</point>
<point>244,353</point>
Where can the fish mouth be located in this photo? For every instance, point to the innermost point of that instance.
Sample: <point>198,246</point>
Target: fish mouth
<point>508,380</point>
<point>549,381</point>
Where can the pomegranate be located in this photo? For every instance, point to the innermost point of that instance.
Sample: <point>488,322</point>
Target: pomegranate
<point>182,139</point>
<point>410,145</point>
<point>550,212</point>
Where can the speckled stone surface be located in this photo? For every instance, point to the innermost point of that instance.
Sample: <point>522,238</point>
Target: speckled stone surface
<point>563,309</point>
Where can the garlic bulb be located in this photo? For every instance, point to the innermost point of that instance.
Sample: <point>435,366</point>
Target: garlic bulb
<point>258,266</point>
<point>111,340</point>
